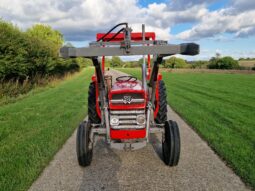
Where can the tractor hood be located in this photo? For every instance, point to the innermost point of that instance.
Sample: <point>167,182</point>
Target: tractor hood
<point>126,86</point>
<point>127,95</point>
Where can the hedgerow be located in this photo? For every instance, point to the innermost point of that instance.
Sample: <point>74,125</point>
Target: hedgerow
<point>24,56</point>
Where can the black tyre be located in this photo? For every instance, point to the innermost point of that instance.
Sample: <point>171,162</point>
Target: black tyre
<point>162,112</point>
<point>92,113</point>
<point>84,148</point>
<point>171,143</point>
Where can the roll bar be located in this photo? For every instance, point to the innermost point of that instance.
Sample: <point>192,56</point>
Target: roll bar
<point>161,50</point>
<point>108,45</point>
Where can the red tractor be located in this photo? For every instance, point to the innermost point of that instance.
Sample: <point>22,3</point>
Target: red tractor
<point>128,111</point>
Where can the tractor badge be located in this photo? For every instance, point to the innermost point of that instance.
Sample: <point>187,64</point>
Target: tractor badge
<point>127,99</point>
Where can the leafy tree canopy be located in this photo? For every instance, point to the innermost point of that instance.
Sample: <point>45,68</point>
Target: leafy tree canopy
<point>116,62</point>
<point>46,33</point>
<point>174,62</point>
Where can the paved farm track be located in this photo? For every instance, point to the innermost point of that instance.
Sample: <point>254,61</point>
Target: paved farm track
<point>199,167</point>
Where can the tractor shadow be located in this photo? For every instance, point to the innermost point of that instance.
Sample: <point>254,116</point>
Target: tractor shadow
<point>157,146</point>
<point>102,173</point>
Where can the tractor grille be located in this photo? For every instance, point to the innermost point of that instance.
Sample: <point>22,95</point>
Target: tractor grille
<point>127,119</point>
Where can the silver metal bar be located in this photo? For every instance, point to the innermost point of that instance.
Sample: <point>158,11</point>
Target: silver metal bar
<point>144,71</point>
<point>156,130</point>
<point>127,121</point>
<point>127,111</point>
<point>144,42</point>
<point>128,146</point>
<point>133,101</point>
<point>124,116</point>
<point>148,120</point>
<point>128,127</point>
<point>144,68</point>
<point>102,97</point>
<point>107,123</point>
<point>98,130</point>
<point>162,50</point>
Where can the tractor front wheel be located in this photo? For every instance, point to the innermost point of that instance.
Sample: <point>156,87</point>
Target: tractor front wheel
<point>84,147</point>
<point>171,143</point>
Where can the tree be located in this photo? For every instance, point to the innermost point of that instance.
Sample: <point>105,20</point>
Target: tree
<point>199,64</point>
<point>116,62</point>
<point>83,62</point>
<point>68,44</point>
<point>140,61</point>
<point>27,55</point>
<point>107,62</point>
<point>213,63</point>
<point>226,62</point>
<point>174,62</point>
<point>46,33</point>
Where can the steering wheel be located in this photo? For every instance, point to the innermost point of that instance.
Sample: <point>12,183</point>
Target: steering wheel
<point>126,79</point>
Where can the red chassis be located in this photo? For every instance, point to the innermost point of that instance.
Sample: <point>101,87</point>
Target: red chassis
<point>127,87</point>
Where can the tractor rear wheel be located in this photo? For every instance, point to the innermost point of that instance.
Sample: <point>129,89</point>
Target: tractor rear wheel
<point>92,112</point>
<point>84,147</point>
<point>162,112</point>
<point>171,144</point>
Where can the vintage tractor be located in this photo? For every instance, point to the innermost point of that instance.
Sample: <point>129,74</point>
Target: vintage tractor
<point>128,111</point>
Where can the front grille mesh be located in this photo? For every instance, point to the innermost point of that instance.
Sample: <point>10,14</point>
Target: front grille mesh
<point>127,119</point>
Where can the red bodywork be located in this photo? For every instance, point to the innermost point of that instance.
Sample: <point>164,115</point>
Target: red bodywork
<point>127,88</point>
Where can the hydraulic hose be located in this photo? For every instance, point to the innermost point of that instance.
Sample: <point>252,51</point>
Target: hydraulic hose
<point>102,38</point>
<point>117,34</point>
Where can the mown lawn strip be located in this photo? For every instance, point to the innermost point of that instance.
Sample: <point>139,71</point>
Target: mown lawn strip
<point>33,129</point>
<point>221,108</point>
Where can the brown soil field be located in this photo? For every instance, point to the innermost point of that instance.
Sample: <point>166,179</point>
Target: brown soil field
<point>247,63</point>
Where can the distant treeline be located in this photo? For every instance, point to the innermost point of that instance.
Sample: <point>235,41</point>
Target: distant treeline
<point>247,59</point>
<point>216,62</point>
<point>32,53</point>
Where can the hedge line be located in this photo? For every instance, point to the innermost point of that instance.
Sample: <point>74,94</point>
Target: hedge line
<point>24,57</point>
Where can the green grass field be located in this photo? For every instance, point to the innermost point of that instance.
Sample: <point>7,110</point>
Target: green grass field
<point>34,128</point>
<point>221,108</point>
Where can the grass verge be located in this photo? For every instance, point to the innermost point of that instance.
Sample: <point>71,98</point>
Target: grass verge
<point>34,128</point>
<point>221,108</point>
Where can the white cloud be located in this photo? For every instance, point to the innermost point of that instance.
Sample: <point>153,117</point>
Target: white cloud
<point>231,20</point>
<point>243,5</point>
<point>186,4</point>
<point>80,20</point>
<point>245,32</point>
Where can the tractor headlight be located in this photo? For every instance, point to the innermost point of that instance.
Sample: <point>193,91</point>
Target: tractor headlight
<point>140,119</point>
<point>114,121</point>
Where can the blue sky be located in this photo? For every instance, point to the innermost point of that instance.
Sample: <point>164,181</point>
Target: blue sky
<point>224,43</point>
<point>226,27</point>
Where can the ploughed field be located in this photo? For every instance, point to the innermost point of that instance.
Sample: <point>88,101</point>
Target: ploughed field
<point>221,108</point>
<point>34,128</point>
